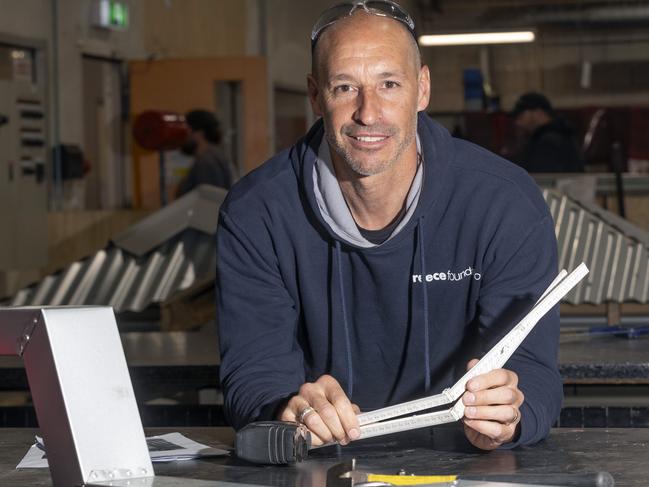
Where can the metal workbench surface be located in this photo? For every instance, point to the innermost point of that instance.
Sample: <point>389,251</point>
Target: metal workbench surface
<point>622,452</point>
<point>605,360</point>
<point>191,359</point>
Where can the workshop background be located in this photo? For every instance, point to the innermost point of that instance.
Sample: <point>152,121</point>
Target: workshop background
<point>92,94</point>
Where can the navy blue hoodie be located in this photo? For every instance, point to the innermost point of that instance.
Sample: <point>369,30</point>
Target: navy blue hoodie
<point>396,321</point>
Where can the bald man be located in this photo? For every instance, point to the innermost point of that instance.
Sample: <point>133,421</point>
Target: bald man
<point>366,265</point>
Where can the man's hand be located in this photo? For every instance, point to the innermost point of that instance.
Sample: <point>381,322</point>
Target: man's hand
<point>331,417</point>
<point>492,413</point>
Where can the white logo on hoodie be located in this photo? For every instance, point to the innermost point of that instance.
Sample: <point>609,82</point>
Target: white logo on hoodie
<point>447,276</point>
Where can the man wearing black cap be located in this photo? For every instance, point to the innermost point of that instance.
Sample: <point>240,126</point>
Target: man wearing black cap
<point>551,144</point>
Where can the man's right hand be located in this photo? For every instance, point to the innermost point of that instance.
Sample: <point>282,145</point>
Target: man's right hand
<point>332,417</point>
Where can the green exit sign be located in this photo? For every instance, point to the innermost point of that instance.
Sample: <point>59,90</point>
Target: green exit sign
<point>112,14</point>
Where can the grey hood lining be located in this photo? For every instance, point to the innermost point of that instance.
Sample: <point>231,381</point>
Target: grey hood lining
<point>334,209</point>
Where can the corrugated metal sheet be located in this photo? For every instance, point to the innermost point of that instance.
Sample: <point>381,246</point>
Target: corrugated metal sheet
<point>126,282</point>
<point>130,278</point>
<point>197,209</point>
<point>615,252</point>
<point>163,254</point>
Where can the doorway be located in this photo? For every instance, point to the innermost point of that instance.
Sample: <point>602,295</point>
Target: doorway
<point>105,182</point>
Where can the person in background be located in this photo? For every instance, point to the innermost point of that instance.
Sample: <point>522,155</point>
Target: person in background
<point>551,144</point>
<point>210,164</point>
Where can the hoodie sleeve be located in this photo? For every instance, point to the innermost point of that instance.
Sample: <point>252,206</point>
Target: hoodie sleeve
<point>516,276</point>
<point>261,364</point>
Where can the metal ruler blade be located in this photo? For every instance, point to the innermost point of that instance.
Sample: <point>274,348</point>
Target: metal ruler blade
<point>413,422</point>
<point>504,349</point>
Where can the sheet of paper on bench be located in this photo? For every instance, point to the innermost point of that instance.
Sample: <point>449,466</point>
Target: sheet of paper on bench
<point>164,448</point>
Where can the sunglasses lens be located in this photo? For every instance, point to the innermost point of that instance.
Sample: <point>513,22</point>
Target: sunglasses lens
<point>389,9</point>
<point>330,16</point>
<point>378,7</point>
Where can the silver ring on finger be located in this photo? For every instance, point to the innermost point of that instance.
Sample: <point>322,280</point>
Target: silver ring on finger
<point>304,413</point>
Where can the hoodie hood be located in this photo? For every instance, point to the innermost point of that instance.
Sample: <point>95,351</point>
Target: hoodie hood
<point>333,206</point>
<point>437,152</point>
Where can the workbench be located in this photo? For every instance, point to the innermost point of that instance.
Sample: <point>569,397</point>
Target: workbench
<point>605,360</point>
<point>190,359</point>
<point>159,362</point>
<point>606,382</point>
<point>621,452</point>
<point>162,364</point>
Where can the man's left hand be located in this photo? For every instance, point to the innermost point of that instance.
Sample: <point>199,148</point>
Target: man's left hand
<point>492,415</point>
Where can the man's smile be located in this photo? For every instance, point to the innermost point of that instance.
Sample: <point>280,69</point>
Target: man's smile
<point>367,138</point>
<point>367,141</point>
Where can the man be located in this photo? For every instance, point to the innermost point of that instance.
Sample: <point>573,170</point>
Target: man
<point>361,267</point>
<point>210,165</point>
<point>550,145</point>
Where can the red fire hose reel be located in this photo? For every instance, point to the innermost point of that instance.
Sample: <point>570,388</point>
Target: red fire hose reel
<point>160,131</point>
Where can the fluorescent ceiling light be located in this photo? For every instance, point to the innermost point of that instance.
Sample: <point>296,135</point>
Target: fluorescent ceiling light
<point>477,38</point>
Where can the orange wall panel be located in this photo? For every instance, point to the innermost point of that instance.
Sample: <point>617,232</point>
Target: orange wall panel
<point>180,85</point>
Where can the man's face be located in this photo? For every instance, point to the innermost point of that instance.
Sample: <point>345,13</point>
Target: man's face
<point>190,145</point>
<point>368,88</point>
<point>529,120</point>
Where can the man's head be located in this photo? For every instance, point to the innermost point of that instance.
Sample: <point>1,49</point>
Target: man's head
<point>368,84</point>
<point>382,8</point>
<point>531,111</point>
<point>204,129</point>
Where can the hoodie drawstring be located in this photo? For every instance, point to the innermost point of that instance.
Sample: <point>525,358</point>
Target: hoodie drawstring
<point>343,305</point>
<point>422,263</point>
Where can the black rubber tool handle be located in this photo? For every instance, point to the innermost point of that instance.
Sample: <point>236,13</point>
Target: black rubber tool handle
<point>597,479</point>
<point>272,442</point>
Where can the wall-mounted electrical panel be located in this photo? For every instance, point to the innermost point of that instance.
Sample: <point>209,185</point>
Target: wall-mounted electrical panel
<point>23,182</point>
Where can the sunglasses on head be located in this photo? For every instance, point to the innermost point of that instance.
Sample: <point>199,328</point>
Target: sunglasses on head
<point>383,8</point>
